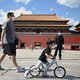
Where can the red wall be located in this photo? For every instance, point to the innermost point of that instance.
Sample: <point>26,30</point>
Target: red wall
<point>72,39</point>
<point>31,39</point>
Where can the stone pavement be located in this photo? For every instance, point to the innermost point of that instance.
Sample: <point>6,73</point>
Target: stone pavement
<point>27,58</point>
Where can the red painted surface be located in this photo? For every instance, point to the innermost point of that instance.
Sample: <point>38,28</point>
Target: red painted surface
<point>73,39</point>
<point>31,39</point>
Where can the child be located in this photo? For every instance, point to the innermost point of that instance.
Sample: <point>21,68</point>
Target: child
<point>46,54</point>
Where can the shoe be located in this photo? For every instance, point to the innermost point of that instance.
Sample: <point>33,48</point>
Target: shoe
<point>26,73</point>
<point>1,68</point>
<point>19,69</point>
<point>60,58</point>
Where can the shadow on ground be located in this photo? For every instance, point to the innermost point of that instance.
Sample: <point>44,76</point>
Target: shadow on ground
<point>68,77</point>
<point>71,59</point>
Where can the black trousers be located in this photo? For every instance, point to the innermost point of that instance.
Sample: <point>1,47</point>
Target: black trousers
<point>59,48</point>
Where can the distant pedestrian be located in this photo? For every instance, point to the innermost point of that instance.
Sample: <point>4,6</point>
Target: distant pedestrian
<point>59,44</point>
<point>7,41</point>
<point>32,47</point>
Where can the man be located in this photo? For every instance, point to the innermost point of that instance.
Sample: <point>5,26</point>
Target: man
<point>7,41</point>
<point>59,44</point>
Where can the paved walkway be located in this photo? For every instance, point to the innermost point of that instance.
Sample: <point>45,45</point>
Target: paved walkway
<point>26,58</point>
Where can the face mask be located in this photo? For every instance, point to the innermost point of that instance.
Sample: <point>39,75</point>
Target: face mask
<point>59,33</point>
<point>13,18</point>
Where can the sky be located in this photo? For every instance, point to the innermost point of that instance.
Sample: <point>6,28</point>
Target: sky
<point>68,9</point>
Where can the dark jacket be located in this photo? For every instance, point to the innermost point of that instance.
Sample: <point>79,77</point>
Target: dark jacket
<point>59,40</point>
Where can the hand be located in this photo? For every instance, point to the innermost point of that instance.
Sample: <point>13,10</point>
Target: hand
<point>53,57</point>
<point>62,46</point>
<point>55,45</point>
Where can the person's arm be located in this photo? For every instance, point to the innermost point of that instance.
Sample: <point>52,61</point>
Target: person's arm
<point>2,35</point>
<point>4,29</point>
<point>55,39</point>
<point>48,56</point>
<point>15,34</point>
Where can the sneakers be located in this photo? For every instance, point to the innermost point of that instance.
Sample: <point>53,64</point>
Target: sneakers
<point>26,73</point>
<point>60,58</point>
<point>1,68</point>
<point>19,69</point>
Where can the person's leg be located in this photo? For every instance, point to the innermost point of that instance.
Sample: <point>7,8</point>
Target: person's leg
<point>11,50</point>
<point>48,66</point>
<point>36,66</point>
<point>14,61</point>
<point>45,69</point>
<point>18,68</point>
<point>1,59</point>
<point>60,55</point>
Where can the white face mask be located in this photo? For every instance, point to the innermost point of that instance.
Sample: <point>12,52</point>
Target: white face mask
<point>59,33</point>
<point>13,18</point>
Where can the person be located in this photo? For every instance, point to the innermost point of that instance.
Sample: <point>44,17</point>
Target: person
<point>7,41</point>
<point>31,46</point>
<point>43,59</point>
<point>59,44</point>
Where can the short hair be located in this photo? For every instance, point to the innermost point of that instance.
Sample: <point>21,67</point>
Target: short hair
<point>50,42</point>
<point>10,14</point>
